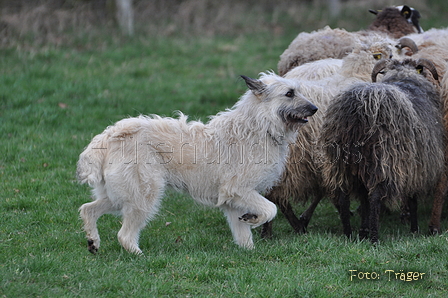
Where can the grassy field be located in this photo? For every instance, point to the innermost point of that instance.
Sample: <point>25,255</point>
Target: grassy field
<point>54,100</point>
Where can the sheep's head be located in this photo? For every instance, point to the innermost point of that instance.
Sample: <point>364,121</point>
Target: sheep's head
<point>406,42</point>
<point>418,65</point>
<point>396,21</point>
<point>379,50</point>
<point>360,62</point>
<point>411,15</point>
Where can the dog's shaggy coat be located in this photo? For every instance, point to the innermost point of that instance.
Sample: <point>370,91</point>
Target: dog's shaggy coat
<point>225,163</point>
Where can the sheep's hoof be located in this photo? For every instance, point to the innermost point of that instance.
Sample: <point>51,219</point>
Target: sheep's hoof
<point>266,231</point>
<point>405,217</point>
<point>434,230</point>
<point>299,227</point>
<point>303,224</point>
<point>249,218</point>
<point>92,248</point>
<point>363,233</point>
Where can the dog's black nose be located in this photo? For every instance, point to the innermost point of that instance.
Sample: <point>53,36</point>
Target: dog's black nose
<point>313,109</point>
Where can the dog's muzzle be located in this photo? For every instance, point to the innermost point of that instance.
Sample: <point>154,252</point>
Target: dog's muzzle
<point>298,115</point>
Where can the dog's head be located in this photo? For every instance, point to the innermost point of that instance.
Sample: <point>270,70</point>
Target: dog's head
<point>280,97</point>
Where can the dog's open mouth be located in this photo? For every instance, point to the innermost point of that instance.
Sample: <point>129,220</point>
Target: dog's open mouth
<point>294,118</point>
<point>297,116</point>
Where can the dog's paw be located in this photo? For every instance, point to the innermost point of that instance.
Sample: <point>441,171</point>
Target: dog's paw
<point>91,246</point>
<point>249,218</point>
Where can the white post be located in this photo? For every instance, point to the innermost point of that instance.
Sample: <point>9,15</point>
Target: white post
<point>125,16</point>
<point>335,7</point>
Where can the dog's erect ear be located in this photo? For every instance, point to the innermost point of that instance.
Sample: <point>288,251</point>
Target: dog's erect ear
<point>256,86</point>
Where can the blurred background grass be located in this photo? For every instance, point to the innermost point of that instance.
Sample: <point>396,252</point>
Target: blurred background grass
<point>93,22</point>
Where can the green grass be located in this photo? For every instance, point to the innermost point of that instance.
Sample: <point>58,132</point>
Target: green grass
<point>54,100</point>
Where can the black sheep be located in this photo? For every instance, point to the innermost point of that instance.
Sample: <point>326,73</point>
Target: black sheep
<point>384,142</point>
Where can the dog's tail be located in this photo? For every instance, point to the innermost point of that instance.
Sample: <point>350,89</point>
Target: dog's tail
<point>90,163</point>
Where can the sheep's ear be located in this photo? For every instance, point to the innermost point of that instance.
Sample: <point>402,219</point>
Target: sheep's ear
<point>357,49</point>
<point>375,12</point>
<point>256,86</point>
<point>406,11</point>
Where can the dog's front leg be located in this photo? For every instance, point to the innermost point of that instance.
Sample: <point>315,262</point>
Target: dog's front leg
<point>258,209</point>
<point>244,212</point>
<point>242,234</point>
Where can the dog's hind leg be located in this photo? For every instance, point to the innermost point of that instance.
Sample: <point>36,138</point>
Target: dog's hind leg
<point>242,234</point>
<point>90,212</point>
<point>136,212</point>
<point>133,221</point>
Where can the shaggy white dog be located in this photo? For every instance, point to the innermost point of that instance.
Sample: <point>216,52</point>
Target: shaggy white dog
<point>225,163</point>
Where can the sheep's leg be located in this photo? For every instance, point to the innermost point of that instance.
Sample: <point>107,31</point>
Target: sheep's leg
<point>437,206</point>
<point>344,211</point>
<point>241,232</point>
<point>266,230</point>
<point>305,217</point>
<point>298,224</point>
<point>405,212</point>
<point>365,213</point>
<point>374,209</point>
<point>90,212</point>
<point>412,203</point>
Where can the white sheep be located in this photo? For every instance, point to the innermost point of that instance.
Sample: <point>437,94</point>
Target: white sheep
<point>358,64</point>
<point>337,43</point>
<point>316,70</point>
<point>432,44</point>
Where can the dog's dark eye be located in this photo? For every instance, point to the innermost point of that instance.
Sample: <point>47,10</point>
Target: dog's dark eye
<point>290,93</point>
